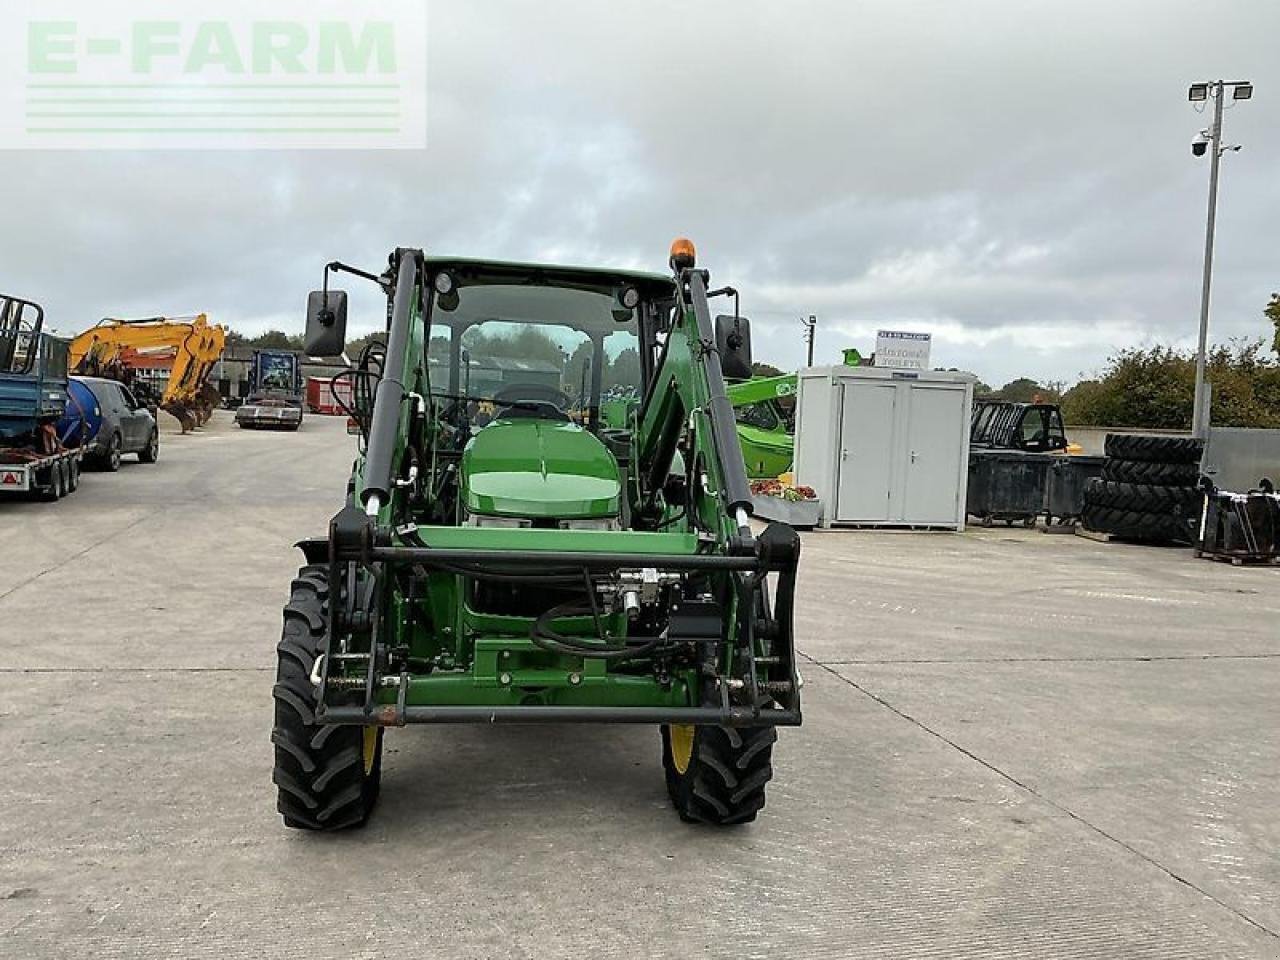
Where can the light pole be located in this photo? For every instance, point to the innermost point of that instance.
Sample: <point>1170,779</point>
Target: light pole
<point>1210,141</point>
<point>810,327</point>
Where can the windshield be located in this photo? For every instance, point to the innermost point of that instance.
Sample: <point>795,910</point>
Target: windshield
<point>518,349</point>
<point>277,372</point>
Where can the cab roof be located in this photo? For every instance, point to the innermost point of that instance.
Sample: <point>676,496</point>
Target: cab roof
<point>470,267</point>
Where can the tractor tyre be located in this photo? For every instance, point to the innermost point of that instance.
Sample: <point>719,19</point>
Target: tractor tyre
<point>151,452</point>
<point>717,775</point>
<point>1123,446</point>
<point>1138,524</point>
<point>1145,497</point>
<point>327,776</point>
<point>1149,471</point>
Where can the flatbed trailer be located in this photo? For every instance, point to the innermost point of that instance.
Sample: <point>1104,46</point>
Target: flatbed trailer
<point>33,398</point>
<point>49,476</point>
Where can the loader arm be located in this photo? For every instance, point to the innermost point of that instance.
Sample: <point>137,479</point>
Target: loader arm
<point>686,402</point>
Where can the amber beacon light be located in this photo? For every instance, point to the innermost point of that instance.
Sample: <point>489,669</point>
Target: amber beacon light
<point>683,254</point>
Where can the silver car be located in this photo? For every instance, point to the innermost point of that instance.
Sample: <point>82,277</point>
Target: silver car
<point>127,426</point>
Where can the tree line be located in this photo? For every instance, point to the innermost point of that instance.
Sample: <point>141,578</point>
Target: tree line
<point>1154,387</point>
<point>1139,387</point>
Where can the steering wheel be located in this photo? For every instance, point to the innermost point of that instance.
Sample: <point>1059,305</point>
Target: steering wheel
<point>531,400</point>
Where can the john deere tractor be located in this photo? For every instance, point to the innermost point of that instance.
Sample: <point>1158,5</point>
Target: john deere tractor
<point>499,561</point>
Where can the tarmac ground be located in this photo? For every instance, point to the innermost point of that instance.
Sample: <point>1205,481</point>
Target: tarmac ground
<point>1015,745</point>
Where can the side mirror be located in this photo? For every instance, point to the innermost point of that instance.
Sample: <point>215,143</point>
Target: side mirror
<point>733,341</point>
<point>326,334</point>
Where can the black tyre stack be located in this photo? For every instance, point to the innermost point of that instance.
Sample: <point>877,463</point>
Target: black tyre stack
<point>1148,489</point>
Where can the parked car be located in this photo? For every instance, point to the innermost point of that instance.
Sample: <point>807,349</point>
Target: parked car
<point>127,426</point>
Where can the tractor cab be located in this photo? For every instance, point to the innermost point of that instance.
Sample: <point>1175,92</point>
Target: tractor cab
<point>1030,427</point>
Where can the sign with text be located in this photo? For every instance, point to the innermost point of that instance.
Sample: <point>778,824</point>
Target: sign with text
<point>902,350</point>
<point>277,74</point>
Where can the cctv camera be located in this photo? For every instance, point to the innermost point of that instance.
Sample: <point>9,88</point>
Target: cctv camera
<point>1198,146</point>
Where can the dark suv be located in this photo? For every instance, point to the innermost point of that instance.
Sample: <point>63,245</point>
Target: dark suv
<point>127,426</point>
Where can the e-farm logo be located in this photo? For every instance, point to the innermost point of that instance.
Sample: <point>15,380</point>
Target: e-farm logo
<point>181,74</point>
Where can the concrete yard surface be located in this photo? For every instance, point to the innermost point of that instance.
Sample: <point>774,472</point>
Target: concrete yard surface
<point>1015,745</point>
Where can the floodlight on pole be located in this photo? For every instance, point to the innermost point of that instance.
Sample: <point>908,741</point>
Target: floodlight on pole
<point>1210,141</point>
<point>810,328</point>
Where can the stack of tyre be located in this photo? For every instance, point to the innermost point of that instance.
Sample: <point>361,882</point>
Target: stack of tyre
<point>1149,489</point>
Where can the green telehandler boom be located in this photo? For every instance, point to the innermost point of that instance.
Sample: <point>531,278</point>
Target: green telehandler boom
<point>498,561</point>
<point>765,430</point>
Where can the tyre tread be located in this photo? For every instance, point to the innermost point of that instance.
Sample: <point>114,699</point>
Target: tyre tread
<point>725,782</point>
<point>319,769</point>
<point>1157,449</point>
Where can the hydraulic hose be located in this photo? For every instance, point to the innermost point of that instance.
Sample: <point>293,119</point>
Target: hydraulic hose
<point>548,639</point>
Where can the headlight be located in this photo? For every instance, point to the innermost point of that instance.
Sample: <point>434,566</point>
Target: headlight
<point>606,523</point>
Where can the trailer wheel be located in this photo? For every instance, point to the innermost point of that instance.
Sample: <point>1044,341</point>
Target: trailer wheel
<point>53,490</point>
<point>327,776</point>
<point>73,476</point>
<point>717,775</point>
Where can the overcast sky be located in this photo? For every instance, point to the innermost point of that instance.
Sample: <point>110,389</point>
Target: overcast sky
<point>1014,177</point>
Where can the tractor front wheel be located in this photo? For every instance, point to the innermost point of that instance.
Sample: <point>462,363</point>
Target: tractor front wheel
<point>327,776</point>
<point>717,775</point>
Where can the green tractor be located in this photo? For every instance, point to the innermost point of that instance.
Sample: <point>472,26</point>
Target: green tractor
<point>766,429</point>
<point>521,566</point>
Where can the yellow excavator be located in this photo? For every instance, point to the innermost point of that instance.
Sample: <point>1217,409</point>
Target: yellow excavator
<point>118,349</point>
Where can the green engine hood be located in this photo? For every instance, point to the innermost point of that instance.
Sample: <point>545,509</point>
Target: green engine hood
<point>540,469</point>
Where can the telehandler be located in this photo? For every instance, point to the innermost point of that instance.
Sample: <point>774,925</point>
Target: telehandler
<point>536,569</point>
<point>766,429</point>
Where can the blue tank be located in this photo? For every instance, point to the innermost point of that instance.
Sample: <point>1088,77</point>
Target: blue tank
<point>83,418</point>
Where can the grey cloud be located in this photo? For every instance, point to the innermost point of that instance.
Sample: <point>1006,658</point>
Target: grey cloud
<point>1014,177</point>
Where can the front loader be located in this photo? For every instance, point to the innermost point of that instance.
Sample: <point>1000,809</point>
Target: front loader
<point>499,561</point>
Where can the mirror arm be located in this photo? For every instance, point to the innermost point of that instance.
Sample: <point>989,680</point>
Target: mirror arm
<point>337,266</point>
<point>730,291</point>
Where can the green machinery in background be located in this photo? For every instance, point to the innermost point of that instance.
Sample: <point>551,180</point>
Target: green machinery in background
<point>526,566</point>
<point>766,427</point>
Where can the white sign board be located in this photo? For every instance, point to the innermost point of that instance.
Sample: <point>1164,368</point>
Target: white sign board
<point>903,351</point>
<point>193,75</point>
